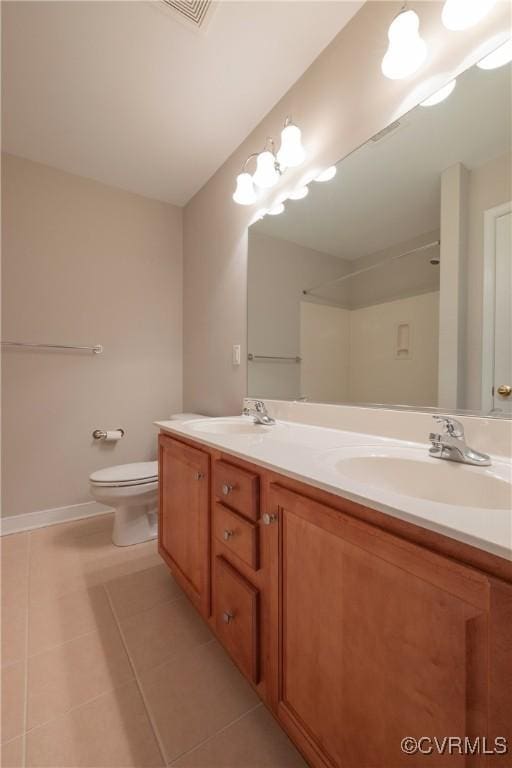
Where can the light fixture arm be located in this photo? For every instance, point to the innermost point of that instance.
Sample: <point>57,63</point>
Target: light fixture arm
<point>270,163</point>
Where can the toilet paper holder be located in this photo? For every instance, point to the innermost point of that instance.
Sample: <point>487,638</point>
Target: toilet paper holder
<point>102,434</point>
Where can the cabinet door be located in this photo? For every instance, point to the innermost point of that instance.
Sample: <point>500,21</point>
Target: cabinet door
<point>184,528</point>
<point>380,639</point>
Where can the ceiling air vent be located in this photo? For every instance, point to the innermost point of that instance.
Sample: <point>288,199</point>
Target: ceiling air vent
<point>194,13</point>
<point>387,131</point>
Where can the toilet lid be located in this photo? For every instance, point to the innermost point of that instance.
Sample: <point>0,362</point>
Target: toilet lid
<point>127,474</point>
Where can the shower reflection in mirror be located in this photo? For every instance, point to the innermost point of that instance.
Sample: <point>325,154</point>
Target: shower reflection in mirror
<point>391,283</point>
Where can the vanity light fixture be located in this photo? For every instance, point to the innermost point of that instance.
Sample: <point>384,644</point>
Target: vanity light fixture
<point>327,175</point>
<point>276,209</point>
<point>266,174</point>
<point>245,193</point>
<point>291,152</point>
<point>269,165</point>
<point>406,50</point>
<point>298,194</point>
<point>498,58</point>
<point>462,14</point>
<point>440,95</point>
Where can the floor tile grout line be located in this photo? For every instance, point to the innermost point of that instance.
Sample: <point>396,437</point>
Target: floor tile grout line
<point>50,648</point>
<point>153,725</point>
<point>96,629</point>
<point>175,655</point>
<point>145,610</point>
<point>214,735</point>
<point>75,707</point>
<point>25,676</point>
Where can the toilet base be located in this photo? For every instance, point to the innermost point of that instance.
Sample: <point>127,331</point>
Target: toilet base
<point>134,524</point>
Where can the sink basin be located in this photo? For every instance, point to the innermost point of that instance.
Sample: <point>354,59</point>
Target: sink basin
<point>412,472</point>
<point>235,426</point>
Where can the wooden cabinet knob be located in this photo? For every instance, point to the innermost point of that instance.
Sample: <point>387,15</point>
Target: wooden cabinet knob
<point>226,489</point>
<point>227,534</point>
<point>269,519</point>
<point>504,390</point>
<point>227,617</point>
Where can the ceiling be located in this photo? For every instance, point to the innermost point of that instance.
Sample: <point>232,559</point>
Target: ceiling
<point>125,93</point>
<point>388,192</point>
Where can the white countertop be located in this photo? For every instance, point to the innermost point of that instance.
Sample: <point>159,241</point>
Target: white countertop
<point>304,453</point>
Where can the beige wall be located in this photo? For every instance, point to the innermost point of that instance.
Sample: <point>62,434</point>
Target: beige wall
<point>339,102</point>
<point>489,186</point>
<point>84,263</point>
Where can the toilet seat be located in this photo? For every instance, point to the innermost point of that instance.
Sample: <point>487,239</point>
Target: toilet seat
<point>126,475</point>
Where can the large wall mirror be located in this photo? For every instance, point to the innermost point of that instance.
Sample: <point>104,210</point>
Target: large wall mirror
<point>391,283</point>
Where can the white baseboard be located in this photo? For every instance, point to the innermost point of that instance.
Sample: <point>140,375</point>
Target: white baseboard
<point>44,517</point>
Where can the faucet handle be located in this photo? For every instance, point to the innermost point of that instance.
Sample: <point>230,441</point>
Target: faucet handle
<point>453,427</point>
<point>259,405</point>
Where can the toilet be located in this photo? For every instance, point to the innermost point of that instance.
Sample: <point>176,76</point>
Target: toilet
<point>132,490</point>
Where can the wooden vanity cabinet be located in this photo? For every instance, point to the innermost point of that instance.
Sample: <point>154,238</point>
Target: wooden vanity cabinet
<point>380,639</point>
<point>184,517</point>
<point>356,629</point>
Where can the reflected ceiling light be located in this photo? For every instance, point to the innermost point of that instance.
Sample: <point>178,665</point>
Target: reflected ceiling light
<point>498,58</point>
<point>298,194</point>
<point>327,175</point>
<point>245,193</point>
<point>276,209</point>
<point>407,50</point>
<point>440,95</point>
<point>462,14</point>
<point>269,165</point>
<point>291,152</point>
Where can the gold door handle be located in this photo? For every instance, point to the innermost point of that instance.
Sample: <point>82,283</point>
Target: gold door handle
<point>505,390</point>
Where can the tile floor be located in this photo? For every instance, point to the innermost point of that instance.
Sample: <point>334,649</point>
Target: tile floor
<point>105,664</point>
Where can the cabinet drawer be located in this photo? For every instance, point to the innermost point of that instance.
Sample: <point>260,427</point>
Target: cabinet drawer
<point>237,617</point>
<point>238,535</point>
<point>237,488</point>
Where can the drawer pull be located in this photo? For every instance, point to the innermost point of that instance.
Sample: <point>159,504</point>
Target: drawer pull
<point>199,475</point>
<point>226,489</point>
<point>227,617</point>
<point>227,535</point>
<point>269,519</point>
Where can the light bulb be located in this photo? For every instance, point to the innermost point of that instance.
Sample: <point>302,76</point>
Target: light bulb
<point>291,151</point>
<point>276,209</point>
<point>244,194</point>
<point>498,58</point>
<point>298,194</point>
<point>265,175</point>
<point>439,95</point>
<point>462,14</point>
<point>327,175</point>
<point>407,50</point>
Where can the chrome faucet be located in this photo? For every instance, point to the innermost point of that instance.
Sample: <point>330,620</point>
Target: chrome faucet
<point>259,413</point>
<point>451,445</point>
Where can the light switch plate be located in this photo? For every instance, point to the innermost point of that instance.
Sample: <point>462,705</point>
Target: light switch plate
<point>236,354</point>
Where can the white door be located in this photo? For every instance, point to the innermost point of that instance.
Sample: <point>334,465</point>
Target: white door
<point>502,385</point>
